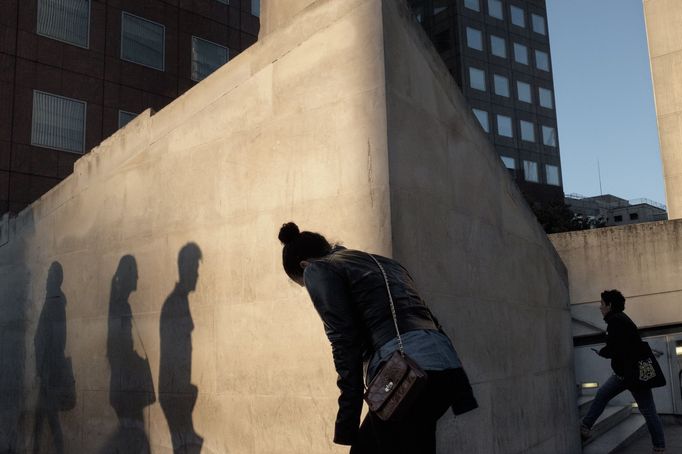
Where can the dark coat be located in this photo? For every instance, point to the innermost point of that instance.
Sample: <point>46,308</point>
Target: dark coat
<point>623,342</point>
<point>349,293</point>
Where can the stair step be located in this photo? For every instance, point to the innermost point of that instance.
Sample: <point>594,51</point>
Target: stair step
<point>584,403</point>
<point>620,435</point>
<point>611,417</point>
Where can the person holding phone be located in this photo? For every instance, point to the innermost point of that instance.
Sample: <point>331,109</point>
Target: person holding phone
<point>622,345</point>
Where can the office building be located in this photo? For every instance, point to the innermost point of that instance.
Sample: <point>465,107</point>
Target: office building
<point>498,52</point>
<point>72,72</point>
<point>612,211</point>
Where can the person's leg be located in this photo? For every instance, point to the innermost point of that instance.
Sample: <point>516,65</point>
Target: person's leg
<point>607,391</point>
<point>38,424</point>
<point>647,406</point>
<point>435,401</point>
<point>416,431</point>
<point>55,426</point>
<point>366,442</point>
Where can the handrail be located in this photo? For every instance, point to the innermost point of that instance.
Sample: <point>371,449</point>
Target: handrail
<point>588,324</point>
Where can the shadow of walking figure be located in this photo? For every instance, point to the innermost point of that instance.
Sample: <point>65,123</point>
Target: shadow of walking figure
<point>130,387</point>
<point>55,371</point>
<point>177,395</point>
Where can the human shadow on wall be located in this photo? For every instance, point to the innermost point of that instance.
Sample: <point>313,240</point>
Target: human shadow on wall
<point>15,281</point>
<point>177,395</point>
<point>131,388</point>
<point>57,386</point>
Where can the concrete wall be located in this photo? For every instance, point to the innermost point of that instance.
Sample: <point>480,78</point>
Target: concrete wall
<point>485,265</point>
<point>643,261</point>
<point>345,121</point>
<point>664,32</point>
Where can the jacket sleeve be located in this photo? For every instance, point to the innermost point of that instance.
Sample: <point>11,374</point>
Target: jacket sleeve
<point>331,296</point>
<point>615,341</point>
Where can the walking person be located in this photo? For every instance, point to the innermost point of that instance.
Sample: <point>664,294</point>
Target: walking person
<point>623,347</point>
<point>57,391</point>
<point>349,291</point>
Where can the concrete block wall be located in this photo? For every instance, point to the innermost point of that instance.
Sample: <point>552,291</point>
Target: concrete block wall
<point>664,34</point>
<point>643,261</point>
<point>166,238</point>
<point>484,264</point>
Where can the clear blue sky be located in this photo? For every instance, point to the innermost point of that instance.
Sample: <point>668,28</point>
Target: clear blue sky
<point>604,98</point>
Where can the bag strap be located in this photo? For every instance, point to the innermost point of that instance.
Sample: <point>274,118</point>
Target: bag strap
<point>390,299</point>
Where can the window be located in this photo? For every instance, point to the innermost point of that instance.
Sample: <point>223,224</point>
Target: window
<point>546,98</point>
<point>549,136</point>
<point>504,126</point>
<point>142,41</point>
<point>530,171</point>
<point>477,78</point>
<point>439,6</point>
<point>495,9</point>
<point>472,4</point>
<point>64,20</point>
<point>541,60</point>
<point>539,25</point>
<point>474,38</point>
<point>527,131</point>
<point>618,218</point>
<point>58,122</point>
<point>523,92</point>
<point>482,117</point>
<point>520,53</point>
<point>501,85</point>
<point>125,117</point>
<point>255,7</point>
<point>517,16</point>
<point>498,46</point>
<point>634,216</point>
<point>206,57</point>
<point>508,162</point>
<point>552,175</point>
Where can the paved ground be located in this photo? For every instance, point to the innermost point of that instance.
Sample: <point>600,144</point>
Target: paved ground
<point>673,441</point>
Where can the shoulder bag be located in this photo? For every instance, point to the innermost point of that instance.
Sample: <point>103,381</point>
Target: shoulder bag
<point>645,372</point>
<point>400,380</point>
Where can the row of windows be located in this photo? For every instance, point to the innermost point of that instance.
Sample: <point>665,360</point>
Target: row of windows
<point>517,14</point>
<point>498,48</point>
<point>531,172</point>
<point>59,122</point>
<point>524,92</point>
<point>142,40</point>
<point>526,128</point>
<point>619,217</point>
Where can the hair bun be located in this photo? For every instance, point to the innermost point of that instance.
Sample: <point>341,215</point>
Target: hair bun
<point>288,233</point>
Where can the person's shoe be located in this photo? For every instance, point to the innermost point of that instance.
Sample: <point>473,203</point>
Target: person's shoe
<point>658,450</point>
<point>585,432</point>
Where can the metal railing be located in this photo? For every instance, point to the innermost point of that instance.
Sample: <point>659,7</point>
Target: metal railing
<point>624,203</point>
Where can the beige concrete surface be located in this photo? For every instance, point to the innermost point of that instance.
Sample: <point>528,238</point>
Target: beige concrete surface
<point>343,119</point>
<point>664,33</point>
<point>643,261</point>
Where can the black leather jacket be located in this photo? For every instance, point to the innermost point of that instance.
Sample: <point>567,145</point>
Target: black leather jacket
<point>348,291</point>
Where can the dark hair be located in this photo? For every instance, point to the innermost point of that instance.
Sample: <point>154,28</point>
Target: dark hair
<point>613,299</point>
<point>299,246</point>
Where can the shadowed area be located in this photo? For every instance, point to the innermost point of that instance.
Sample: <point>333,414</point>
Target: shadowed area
<point>55,371</point>
<point>177,395</point>
<point>131,388</point>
